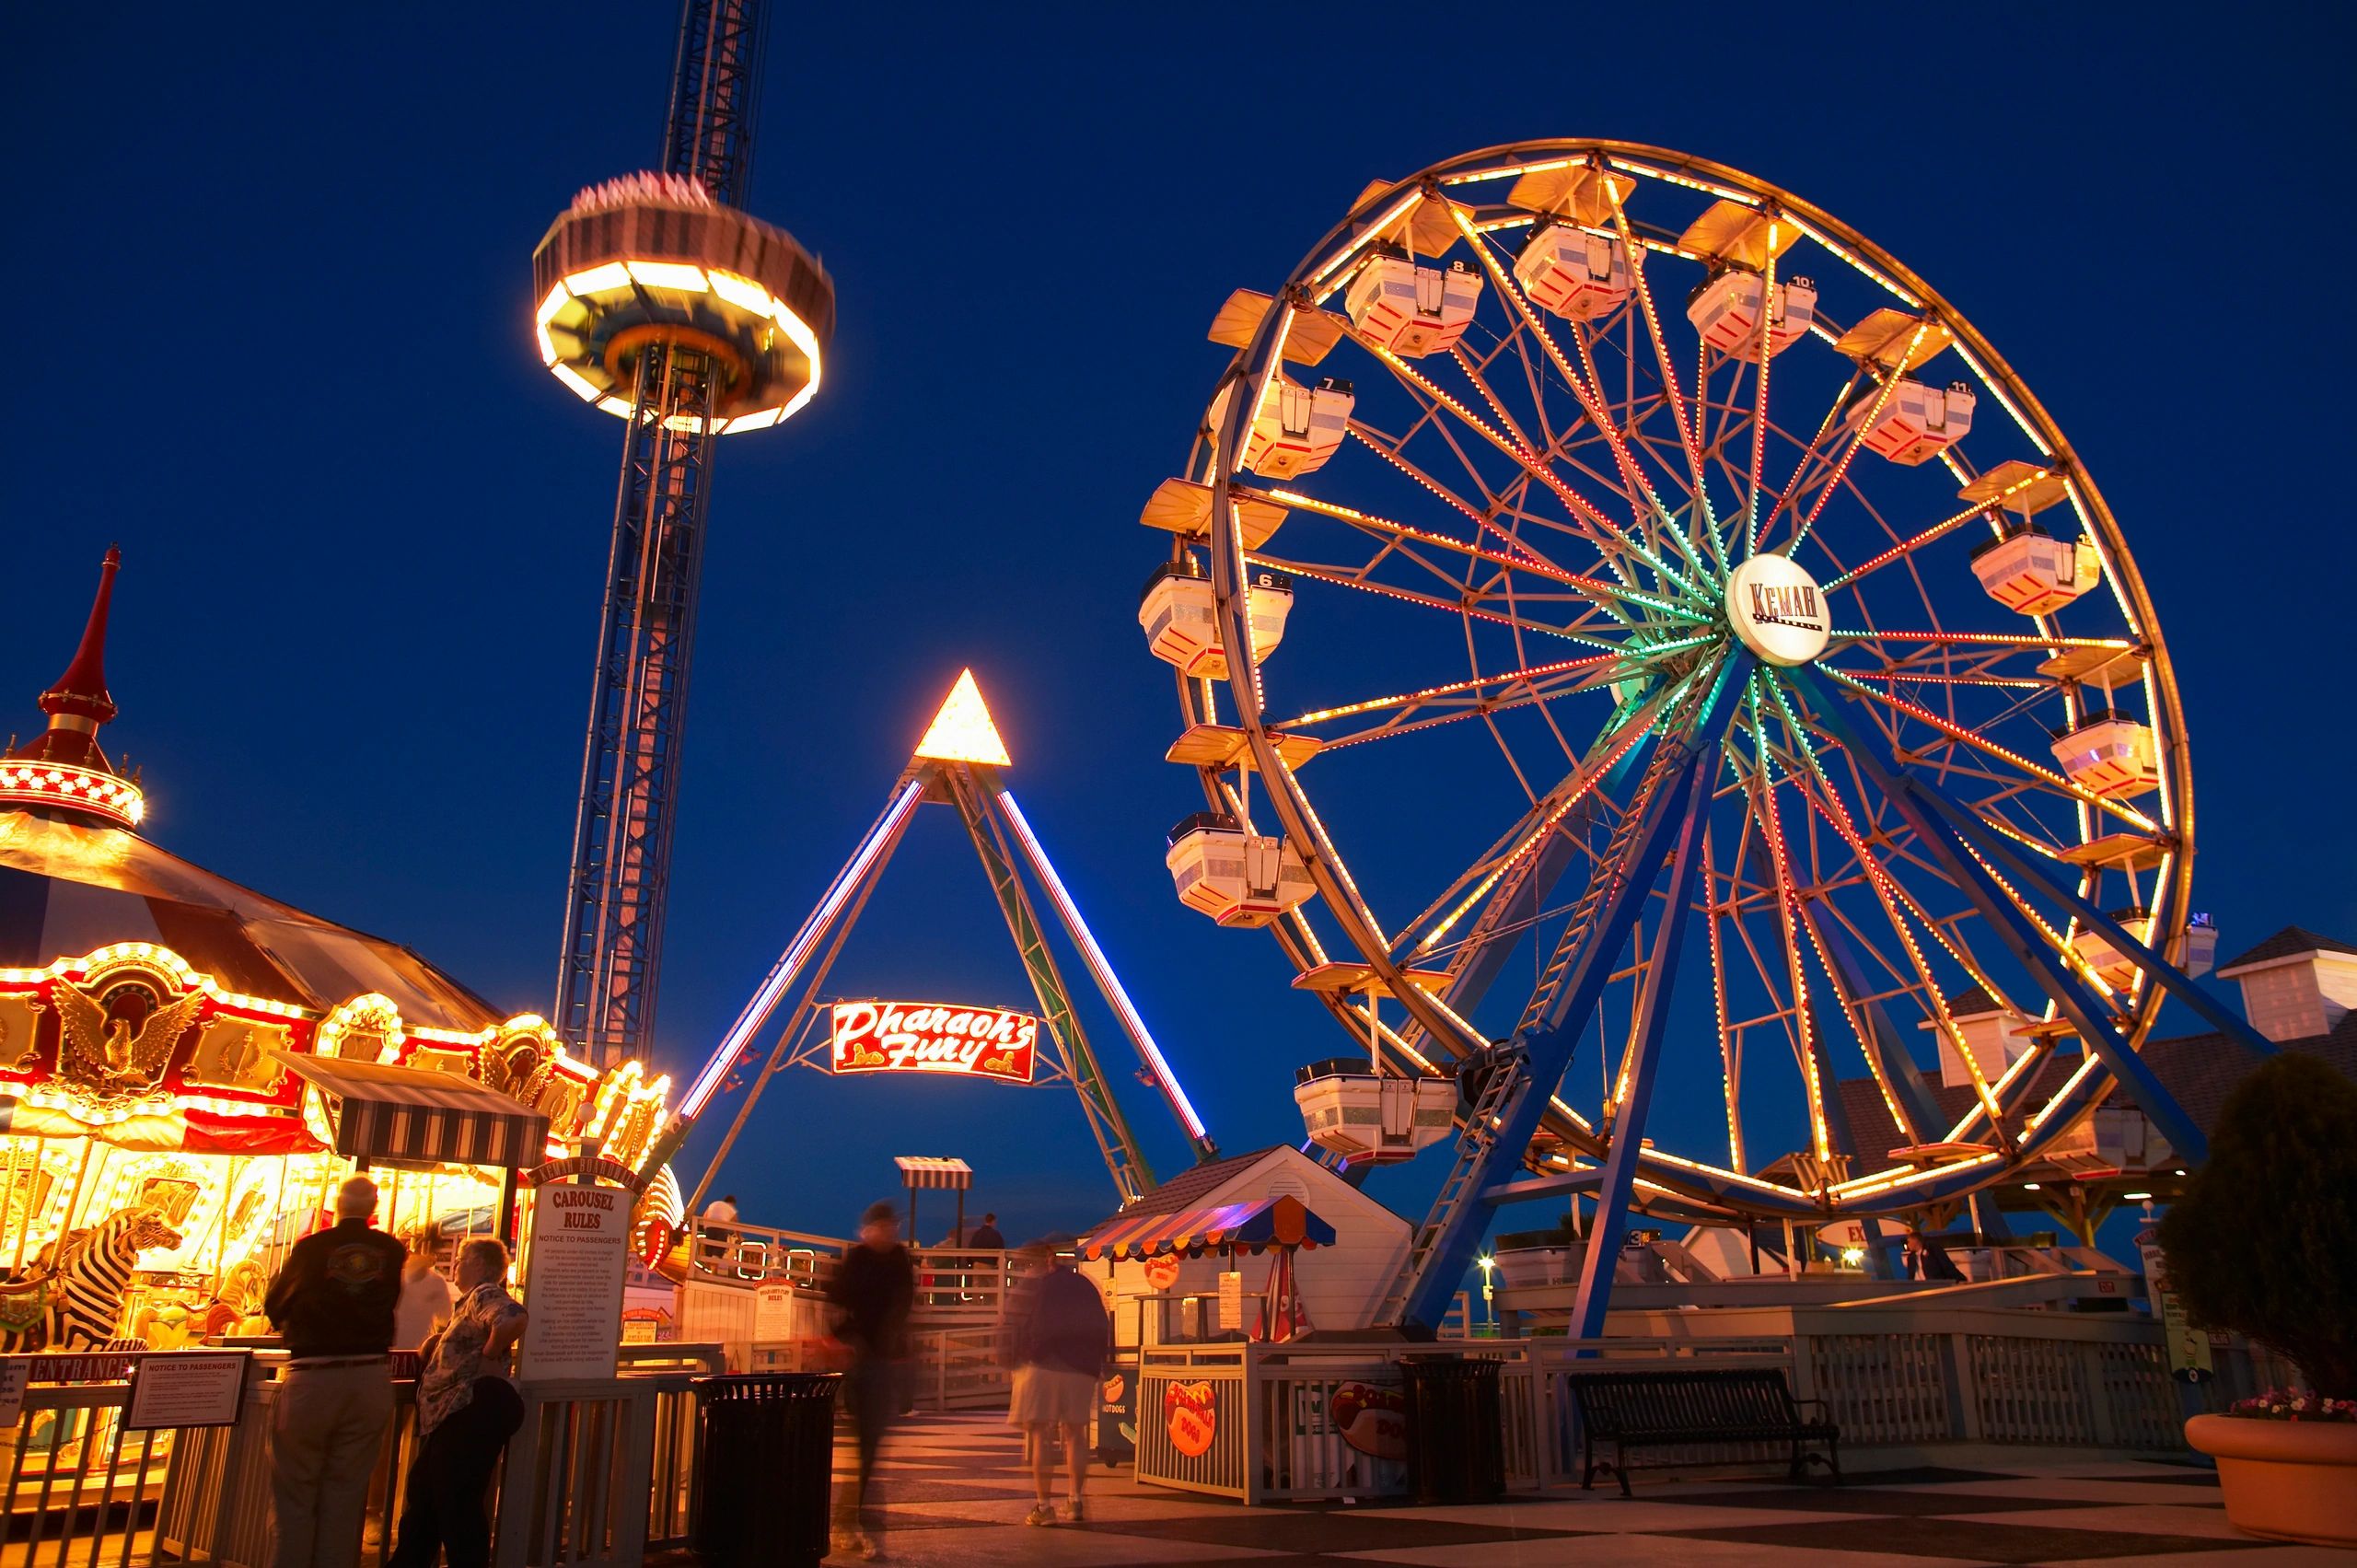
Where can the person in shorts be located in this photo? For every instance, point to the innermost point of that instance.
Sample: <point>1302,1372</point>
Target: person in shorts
<point>1062,1335</point>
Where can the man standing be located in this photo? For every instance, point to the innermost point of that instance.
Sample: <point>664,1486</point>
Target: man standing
<point>986,1236</point>
<point>333,1303</point>
<point>1061,1336</point>
<point>872,1289</point>
<point>466,1412</point>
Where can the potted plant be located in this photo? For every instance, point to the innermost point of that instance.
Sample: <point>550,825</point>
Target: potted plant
<point>2264,1244</point>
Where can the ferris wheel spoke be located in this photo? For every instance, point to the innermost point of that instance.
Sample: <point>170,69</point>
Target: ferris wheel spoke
<point>1582,781</point>
<point>1913,542</point>
<point>1637,491</point>
<point>1825,800</point>
<point>1688,430</point>
<point>2052,780</point>
<point>1771,835</point>
<point>1525,560</point>
<point>1347,578</point>
<point>1473,689</point>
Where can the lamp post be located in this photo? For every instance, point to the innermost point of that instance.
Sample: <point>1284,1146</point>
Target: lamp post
<point>1489,1290</point>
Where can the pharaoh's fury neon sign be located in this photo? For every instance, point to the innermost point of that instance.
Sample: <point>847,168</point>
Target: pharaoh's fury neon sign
<point>933,1037</point>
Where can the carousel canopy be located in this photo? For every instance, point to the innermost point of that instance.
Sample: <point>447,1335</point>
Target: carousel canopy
<point>70,887</point>
<point>400,1113</point>
<point>1251,1227</point>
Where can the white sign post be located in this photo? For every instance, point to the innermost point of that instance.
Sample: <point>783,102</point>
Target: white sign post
<point>574,1288</point>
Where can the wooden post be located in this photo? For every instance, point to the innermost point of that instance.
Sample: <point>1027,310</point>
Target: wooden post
<point>507,1208</point>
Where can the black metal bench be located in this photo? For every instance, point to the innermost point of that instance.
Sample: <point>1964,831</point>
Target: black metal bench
<point>1641,1409</point>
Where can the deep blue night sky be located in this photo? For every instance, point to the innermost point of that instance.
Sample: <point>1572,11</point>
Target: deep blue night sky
<point>272,334</point>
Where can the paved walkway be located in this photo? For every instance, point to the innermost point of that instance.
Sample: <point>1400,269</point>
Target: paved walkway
<point>957,1491</point>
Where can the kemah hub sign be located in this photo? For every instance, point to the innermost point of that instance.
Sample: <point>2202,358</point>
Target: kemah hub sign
<point>934,1037</point>
<point>1778,611</point>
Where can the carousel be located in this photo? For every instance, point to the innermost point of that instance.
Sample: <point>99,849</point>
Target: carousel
<point>188,1068</point>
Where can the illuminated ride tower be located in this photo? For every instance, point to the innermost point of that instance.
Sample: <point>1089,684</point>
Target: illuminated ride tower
<point>662,304</point>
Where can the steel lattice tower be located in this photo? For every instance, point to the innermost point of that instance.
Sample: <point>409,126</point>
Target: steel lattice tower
<point>662,304</point>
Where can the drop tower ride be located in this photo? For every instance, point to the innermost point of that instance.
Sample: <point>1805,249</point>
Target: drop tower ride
<point>662,304</point>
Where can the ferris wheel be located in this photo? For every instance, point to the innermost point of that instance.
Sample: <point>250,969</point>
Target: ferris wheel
<point>1683,652</point>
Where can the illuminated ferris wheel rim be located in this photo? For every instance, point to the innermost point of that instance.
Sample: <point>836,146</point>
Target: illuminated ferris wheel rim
<point>1219,462</point>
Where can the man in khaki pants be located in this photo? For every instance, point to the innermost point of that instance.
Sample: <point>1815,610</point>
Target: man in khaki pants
<point>334,1302</point>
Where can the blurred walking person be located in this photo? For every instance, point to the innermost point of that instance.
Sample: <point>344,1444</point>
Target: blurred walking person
<point>467,1409</point>
<point>872,1290</point>
<point>333,1303</point>
<point>1061,1336</point>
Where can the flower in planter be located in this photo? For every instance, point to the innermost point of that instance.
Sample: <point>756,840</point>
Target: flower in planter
<point>2292,1404</point>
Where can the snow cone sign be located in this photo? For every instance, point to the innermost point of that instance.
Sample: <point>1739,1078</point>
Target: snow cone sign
<point>1190,1418</point>
<point>933,1037</point>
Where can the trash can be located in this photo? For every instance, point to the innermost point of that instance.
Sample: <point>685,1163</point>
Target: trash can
<point>765,1467</point>
<point>1456,1450</point>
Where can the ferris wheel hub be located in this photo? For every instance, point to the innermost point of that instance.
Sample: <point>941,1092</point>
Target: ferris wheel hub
<point>1778,611</point>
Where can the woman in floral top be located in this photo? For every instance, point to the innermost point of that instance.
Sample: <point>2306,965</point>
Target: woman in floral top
<point>466,1412</point>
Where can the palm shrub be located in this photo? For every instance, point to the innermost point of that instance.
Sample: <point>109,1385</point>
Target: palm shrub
<point>2264,1242</point>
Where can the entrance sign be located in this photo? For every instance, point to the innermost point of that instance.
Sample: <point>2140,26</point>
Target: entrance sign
<point>932,1037</point>
<point>190,1387</point>
<point>15,1371</point>
<point>580,1256</point>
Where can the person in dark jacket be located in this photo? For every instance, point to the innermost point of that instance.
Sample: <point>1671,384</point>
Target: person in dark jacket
<point>872,1292</point>
<point>1062,1334</point>
<point>333,1303</point>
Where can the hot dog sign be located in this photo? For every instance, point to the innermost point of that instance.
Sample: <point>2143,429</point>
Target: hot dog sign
<point>1190,1418</point>
<point>933,1037</point>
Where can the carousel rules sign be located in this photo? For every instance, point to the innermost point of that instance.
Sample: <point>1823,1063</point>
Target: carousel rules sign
<point>933,1037</point>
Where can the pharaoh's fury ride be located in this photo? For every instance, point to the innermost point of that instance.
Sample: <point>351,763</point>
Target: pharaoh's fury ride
<point>1664,571</point>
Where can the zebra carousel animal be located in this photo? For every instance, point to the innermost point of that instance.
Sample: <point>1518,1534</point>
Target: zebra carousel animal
<point>78,1298</point>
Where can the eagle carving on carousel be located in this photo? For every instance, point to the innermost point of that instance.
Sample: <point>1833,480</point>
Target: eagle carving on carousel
<point>111,1051</point>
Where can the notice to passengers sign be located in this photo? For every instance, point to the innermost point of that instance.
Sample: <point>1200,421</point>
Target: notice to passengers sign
<point>574,1288</point>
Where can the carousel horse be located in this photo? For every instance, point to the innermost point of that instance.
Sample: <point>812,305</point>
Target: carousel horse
<point>78,1300</point>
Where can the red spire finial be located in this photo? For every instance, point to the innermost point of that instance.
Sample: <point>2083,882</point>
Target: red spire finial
<point>61,773</point>
<point>81,691</point>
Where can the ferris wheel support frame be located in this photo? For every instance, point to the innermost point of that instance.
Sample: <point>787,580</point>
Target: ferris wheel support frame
<point>1960,846</point>
<point>1444,1245</point>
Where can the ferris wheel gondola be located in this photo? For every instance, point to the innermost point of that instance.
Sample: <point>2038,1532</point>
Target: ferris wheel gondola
<point>1669,566</point>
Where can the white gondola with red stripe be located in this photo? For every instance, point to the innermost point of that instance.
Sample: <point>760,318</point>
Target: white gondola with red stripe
<point>1914,423</point>
<point>2031,571</point>
<point>1575,272</point>
<point>1299,427</point>
<point>2109,753</point>
<point>1727,312</point>
<point>1236,877</point>
<point>1412,311</point>
<point>1181,620</point>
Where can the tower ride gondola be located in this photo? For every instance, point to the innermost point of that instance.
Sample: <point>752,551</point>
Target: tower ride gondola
<point>1692,584</point>
<point>661,303</point>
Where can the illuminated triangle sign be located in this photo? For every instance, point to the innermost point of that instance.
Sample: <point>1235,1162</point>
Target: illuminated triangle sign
<point>962,730</point>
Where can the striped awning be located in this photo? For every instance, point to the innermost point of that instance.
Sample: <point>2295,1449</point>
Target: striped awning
<point>927,1171</point>
<point>385,1113</point>
<point>1254,1226</point>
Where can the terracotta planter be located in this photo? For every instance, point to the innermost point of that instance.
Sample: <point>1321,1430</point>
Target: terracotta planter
<point>2284,1480</point>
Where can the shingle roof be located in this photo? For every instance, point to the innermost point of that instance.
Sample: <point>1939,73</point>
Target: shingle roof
<point>2200,1071</point>
<point>1190,1187</point>
<point>2290,942</point>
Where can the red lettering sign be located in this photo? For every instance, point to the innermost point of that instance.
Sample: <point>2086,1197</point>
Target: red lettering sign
<point>933,1037</point>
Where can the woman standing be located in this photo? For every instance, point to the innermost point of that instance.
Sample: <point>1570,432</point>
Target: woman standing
<point>467,1410</point>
